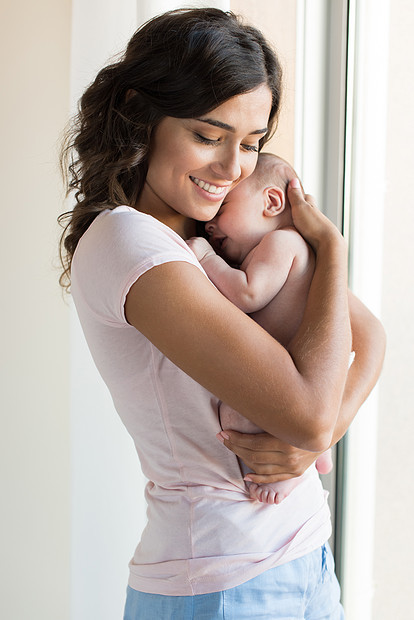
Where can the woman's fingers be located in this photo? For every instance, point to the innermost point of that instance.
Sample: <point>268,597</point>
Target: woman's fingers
<point>271,459</point>
<point>310,222</point>
<point>258,442</point>
<point>311,200</point>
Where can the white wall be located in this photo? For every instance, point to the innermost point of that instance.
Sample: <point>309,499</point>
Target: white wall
<point>393,537</point>
<point>107,506</point>
<point>368,91</point>
<point>34,453</point>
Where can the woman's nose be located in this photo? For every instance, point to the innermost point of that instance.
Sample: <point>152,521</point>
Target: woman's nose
<point>227,165</point>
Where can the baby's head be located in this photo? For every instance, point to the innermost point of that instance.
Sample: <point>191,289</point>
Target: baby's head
<point>256,206</point>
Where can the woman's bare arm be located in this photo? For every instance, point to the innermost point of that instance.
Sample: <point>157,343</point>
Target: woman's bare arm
<point>296,395</point>
<point>273,459</point>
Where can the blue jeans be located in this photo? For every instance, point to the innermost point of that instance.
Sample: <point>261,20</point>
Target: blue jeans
<point>304,589</point>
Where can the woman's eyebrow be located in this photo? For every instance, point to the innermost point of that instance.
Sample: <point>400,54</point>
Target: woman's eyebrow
<point>212,121</point>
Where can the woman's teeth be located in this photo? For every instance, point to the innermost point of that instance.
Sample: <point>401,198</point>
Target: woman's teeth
<point>209,187</point>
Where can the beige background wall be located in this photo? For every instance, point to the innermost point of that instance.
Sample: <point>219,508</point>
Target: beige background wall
<point>35,475</point>
<point>277,20</point>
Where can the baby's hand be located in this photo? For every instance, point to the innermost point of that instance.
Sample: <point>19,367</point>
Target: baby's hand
<point>201,248</point>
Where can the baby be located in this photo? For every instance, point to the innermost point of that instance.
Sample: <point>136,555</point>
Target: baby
<point>266,271</point>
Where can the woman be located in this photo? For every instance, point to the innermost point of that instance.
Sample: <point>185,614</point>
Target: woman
<point>162,137</point>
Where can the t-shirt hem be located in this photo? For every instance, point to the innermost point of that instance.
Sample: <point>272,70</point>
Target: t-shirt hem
<point>208,584</point>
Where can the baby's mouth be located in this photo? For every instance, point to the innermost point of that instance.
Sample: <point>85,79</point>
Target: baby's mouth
<point>217,243</point>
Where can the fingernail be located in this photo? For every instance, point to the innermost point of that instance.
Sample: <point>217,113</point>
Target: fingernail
<point>295,183</point>
<point>220,438</point>
<point>223,434</point>
<point>247,479</point>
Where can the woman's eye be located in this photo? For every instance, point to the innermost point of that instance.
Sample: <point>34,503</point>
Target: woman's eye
<point>205,140</point>
<point>251,147</point>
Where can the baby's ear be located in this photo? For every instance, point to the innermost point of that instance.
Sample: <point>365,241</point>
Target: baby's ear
<point>274,201</point>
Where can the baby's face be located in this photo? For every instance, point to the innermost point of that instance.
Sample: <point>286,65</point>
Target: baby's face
<point>239,224</point>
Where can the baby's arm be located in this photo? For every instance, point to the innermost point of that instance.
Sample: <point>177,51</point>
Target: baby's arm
<point>268,267</point>
<point>231,282</point>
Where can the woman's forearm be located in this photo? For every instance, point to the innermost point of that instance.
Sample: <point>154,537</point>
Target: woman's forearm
<point>322,344</point>
<point>326,331</point>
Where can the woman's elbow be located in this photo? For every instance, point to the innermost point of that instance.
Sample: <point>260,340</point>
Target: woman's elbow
<point>322,427</point>
<point>316,431</point>
<point>319,441</point>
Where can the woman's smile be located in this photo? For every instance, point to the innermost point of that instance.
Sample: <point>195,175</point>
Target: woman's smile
<point>210,188</point>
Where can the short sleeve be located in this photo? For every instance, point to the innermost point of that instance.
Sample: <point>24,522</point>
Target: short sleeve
<point>120,246</point>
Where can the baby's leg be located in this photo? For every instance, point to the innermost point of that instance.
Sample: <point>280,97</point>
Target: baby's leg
<point>272,493</point>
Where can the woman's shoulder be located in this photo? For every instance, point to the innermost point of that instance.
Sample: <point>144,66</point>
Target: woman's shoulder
<point>132,223</point>
<point>120,245</point>
<point>125,234</point>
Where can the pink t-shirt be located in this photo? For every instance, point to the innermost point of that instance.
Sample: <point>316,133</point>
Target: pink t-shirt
<point>204,533</point>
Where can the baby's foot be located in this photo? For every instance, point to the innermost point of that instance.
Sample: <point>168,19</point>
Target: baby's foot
<point>266,493</point>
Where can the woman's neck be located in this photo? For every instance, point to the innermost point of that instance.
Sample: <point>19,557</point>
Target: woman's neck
<point>151,204</point>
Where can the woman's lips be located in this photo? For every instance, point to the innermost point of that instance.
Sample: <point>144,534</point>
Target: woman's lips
<point>215,192</point>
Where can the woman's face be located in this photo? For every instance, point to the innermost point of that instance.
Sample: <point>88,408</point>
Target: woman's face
<point>194,163</point>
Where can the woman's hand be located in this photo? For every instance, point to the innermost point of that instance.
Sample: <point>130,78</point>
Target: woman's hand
<point>309,221</point>
<point>271,459</point>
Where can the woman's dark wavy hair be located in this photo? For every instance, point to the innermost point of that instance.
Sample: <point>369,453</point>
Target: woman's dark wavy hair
<point>182,64</point>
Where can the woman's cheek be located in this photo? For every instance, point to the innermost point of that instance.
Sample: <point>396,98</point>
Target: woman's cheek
<point>249,165</point>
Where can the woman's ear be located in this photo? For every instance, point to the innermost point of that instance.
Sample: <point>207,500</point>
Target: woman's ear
<point>274,201</point>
